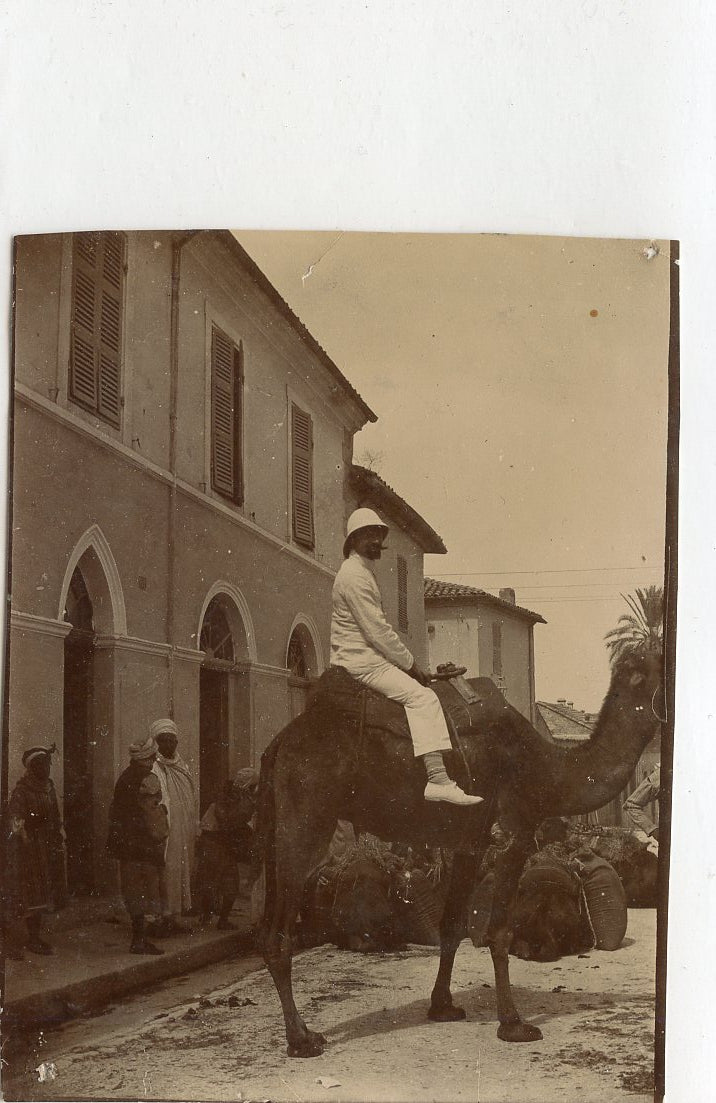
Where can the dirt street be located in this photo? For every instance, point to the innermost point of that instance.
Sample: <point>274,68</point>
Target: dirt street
<point>596,1013</point>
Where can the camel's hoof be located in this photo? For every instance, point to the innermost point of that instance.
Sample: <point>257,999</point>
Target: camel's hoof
<point>447,1014</point>
<point>518,1032</point>
<point>310,1046</point>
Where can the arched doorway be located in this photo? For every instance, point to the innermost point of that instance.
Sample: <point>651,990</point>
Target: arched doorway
<point>224,736</point>
<point>91,600</point>
<point>302,664</point>
<point>78,747</point>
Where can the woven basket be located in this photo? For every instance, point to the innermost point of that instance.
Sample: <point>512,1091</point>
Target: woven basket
<point>422,920</point>
<point>606,903</point>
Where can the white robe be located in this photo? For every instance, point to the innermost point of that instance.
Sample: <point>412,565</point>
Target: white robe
<point>179,792</point>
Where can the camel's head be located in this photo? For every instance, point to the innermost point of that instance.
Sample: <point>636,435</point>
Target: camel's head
<point>640,674</point>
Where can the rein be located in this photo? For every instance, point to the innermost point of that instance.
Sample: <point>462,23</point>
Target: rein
<point>661,719</point>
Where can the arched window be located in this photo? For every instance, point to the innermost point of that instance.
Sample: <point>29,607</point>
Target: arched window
<point>302,664</point>
<point>216,638</point>
<point>296,662</point>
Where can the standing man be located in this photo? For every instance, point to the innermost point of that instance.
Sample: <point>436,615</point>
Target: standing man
<point>179,796</point>
<point>364,644</point>
<point>225,842</point>
<point>137,838</point>
<point>34,855</point>
<point>636,809</point>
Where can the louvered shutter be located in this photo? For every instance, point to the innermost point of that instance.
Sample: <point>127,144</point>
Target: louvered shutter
<point>96,336</point>
<point>302,440</point>
<point>238,424</point>
<point>110,326</point>
<point>222,412</point>
<point>402,594</point>
<point>83,344</point>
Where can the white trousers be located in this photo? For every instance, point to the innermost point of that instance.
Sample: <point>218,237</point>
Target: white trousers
<point>427,725</point>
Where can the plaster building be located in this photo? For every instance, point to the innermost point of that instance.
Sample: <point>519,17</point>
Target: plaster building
<point>491,636</point>
<point>181,460</point>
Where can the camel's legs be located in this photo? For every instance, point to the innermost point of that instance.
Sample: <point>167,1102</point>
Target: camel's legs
<point>295,857</point>
<point>508,868</point>
<point>452,931</point>
<point>278,955</point>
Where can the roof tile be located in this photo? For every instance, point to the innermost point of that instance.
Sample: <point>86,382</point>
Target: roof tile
<point>439,591</point>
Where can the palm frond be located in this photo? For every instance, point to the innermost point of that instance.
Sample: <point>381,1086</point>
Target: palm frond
<point>642,628</point>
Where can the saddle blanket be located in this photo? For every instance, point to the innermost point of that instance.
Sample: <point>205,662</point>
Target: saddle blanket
<point>337,689</point>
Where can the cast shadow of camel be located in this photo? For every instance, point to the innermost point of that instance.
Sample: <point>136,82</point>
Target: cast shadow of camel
<point>478,1002</point>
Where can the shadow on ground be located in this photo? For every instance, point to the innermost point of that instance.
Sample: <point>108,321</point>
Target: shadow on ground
<point>479,1002</point>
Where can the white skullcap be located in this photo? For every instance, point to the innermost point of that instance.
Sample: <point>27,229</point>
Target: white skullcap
<point>142,749</point>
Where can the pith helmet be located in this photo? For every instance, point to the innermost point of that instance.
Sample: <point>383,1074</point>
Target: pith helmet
<point>362,519</point>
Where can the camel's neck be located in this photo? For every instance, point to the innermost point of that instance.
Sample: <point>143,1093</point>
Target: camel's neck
<point>596,772</point>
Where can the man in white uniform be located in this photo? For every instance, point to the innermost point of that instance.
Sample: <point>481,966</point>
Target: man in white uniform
<point>364,644</point>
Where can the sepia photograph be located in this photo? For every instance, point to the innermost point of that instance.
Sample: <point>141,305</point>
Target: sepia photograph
<point>342,579</point>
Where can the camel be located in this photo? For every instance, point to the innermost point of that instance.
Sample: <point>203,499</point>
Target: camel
<point>330,763</point>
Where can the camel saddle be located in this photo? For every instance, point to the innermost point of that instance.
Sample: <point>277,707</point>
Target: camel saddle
<point>339,690</point>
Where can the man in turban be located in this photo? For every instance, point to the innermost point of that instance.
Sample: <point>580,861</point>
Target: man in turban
<point>179,798</point>
<point>34,873</point>
<point>137,838</point>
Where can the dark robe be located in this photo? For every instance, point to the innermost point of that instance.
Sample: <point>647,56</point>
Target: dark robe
<point>35,870</point>
<point>138,825</point>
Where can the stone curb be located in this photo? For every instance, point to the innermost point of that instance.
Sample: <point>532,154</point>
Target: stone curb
<point>77,997</point>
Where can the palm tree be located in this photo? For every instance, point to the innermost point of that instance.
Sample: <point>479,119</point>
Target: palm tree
<point>641,629</point>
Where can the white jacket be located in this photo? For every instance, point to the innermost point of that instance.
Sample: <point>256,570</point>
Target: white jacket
<point>361,638</point>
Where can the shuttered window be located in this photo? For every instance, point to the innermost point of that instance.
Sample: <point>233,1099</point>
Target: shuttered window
<point>302,476</point>
<point>402,594</point>
<point>496,647</point>
<point>226,416</point>
<point>98,273</point>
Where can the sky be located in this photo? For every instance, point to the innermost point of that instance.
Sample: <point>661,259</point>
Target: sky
<point>520,385</point>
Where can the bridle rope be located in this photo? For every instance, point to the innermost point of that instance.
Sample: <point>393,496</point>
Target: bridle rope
<point>661,719</point>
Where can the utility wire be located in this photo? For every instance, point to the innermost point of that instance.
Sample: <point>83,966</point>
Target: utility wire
<point>563,586</point>
<point>567,600</point>
<point>555,570</point>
